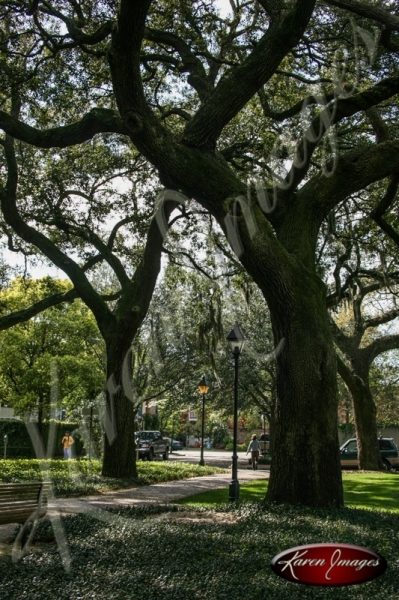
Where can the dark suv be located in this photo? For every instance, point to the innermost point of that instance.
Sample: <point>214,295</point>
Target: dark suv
<point>150,444</point>
<point>388,449</point>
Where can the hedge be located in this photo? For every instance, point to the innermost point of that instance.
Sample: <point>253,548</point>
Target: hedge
<point>19,444</point>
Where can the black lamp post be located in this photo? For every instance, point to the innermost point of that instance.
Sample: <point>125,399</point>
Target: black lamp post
<point>90,430</point>
<point>236,340</point>
<point>203,389</point>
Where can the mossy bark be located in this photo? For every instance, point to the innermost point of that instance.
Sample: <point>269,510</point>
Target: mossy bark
<point>119,448</point>
<point>305,467</point>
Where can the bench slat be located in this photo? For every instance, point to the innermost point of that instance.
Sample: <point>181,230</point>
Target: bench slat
<point>25,507</point>
<point>22,485</point>
<point>5,499</point>
<point>17,509</point>
<point>7,488</point>
<point>29,508</point>
<point>19,503</point>
<point>20,517</point>
<point>17,492</point>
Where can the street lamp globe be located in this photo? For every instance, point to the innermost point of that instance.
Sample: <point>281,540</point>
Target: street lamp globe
<point>236,339</point>
<point>203,387</point>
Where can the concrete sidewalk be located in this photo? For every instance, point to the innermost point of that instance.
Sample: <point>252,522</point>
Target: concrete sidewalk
<point>158,493</point>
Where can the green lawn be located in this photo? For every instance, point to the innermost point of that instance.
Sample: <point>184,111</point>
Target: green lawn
<point>376,491</point>
<point>249,492</point>
<point>83,477</point>
<point>372,490</point>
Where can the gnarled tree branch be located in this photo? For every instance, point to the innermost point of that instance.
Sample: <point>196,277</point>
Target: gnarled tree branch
<point>25,314</point>
<point>369,11</point>
<point>339,109</point>
<point>98,120</point>
<point>384,205</point>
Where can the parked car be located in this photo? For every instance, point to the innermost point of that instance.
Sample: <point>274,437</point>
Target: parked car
<point>176,445</point>
<point>388,449</point>
<point>150,444</point>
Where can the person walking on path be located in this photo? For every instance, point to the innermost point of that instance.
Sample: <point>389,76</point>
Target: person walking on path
<point>253,448</point>
<point>67,443</point>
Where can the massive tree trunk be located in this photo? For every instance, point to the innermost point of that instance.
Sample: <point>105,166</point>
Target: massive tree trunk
<point>305,467</point>
<point>357,381</point>
<point>119,447</point>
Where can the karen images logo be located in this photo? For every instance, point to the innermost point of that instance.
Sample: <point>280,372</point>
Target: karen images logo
<point>328,564</point>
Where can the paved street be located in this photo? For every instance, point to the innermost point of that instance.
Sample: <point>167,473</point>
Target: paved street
<point>211,457</point>
<point>193,455</point>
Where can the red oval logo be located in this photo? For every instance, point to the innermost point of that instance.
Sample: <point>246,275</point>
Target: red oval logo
<point>328,564</point>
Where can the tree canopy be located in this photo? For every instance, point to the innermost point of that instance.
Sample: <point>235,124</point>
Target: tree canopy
<point>54,359</point>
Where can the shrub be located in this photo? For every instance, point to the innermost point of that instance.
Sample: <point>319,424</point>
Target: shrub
<point>219,434</point>
<point>240,447</point>
<point>83,477</point>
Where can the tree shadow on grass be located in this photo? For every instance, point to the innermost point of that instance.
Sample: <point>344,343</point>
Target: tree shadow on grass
<point>134,555</point>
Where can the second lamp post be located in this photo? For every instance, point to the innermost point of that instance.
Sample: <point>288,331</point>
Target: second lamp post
<point>236,340</point>
<point>203,388</point>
